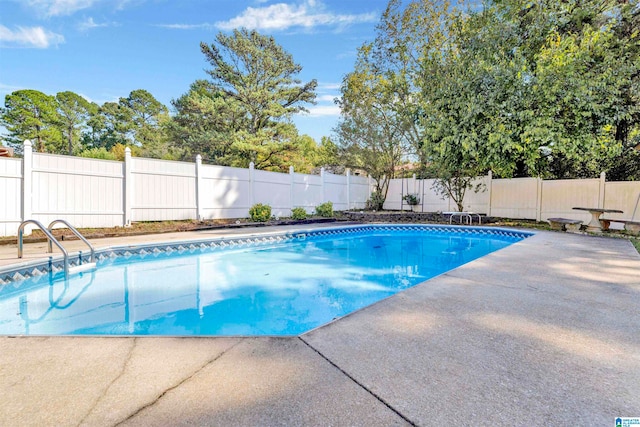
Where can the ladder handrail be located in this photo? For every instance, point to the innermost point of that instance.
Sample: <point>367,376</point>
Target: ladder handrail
<point>49,236</point>
<point>74,231</point>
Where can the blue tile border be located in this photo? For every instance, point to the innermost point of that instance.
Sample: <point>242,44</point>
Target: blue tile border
<point>14,274</point>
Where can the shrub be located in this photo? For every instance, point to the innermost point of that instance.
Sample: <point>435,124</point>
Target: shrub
<point>98,153</point>
<point>376,201</point>
<point>298,213</point>
<point>412,199</point>
<point>325,210</point>
<point>260,212</point>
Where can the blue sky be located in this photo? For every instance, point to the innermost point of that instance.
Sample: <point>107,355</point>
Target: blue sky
<point>104,49</point>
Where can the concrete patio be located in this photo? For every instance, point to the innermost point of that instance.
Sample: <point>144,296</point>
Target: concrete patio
<point>544,332</point>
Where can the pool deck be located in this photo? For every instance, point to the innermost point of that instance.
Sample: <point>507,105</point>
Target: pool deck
<point>544,332</point>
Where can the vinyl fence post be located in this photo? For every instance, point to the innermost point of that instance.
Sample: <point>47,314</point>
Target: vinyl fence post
<point>292,176</point>
<point>199,215</point>
<point>539,200</point>
<point>489,185</point>
<point>27,180</point>
<point>322,185</point>
<point>348,174</point>
<point>603,181</point>
<point>251,183</point>
<point>371,186</point>
<point>128,188</point>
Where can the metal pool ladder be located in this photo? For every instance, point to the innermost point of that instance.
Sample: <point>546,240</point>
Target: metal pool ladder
<point>51,238</point>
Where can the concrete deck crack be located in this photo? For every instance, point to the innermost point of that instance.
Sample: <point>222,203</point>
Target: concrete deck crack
<point>358,383</point>
<point>116,378</point>
<point>193,374</point>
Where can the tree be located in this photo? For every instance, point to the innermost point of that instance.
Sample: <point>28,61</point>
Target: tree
<point>328,156</point>
<point>205,123</point>
<point>404,37</point>
<point>452,119</point>
<point>556,81</point>
<point>147,116</point>
<point>252,95</point>
<point>381,98</point>
<point>112,125</point>
<point>30,114</point>
<point>370,133</point>
<point>74,112</point>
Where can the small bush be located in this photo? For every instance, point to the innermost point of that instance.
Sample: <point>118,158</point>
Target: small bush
<point>376,201</point>
<point>325,210</point>
<point>412,199</point>
<point>298,213</point>
<point>260,212</point>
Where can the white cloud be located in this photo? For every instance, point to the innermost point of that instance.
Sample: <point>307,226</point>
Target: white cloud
<point>185,26</point>
<point>329,86</point>
<point>90,24</point>
<point>59,7</point>
<point>36,37</point>
<point>326,98</point>
<point>323,111</point>
<point>282,16</point>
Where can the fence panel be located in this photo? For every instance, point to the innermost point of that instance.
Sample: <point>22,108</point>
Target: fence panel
<point>85,192</point>
<point>431,200</point>
<point>359,192</point>
<point>273,189</point>
<point>393,201</point>
<point>162,190</point>
<point>514,198</point>
<point>307,191</point>
<point>624,196</point>
<point>335,189</point>
<point>10,196</point>
<point>225,192</point>
<point>476,201</point>
<point>560,196</point>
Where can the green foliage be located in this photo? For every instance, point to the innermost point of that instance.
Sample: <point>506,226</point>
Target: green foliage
<point>368,133</point>
<point>260,212</point>
<point>327,153</point>
<point>325,210</point>
<point>298,213</point>
<point>74,112</point>
<point>98,153</point>
<point>243,114</point>
<point>380,105</point>
<point>411,199</point>
<point>148,118</point>
<point>30,114</point>
<point>68,123</point>
<point>375,202</point>
<point>524,89</point>
<point>537,90</point>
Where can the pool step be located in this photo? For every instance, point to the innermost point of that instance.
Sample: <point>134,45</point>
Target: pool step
<point>82,268</point>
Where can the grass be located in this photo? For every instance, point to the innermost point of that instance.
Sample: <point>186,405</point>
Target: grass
<point>636,243</point>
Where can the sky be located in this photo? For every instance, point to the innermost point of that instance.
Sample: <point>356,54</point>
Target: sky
<point>104,49</point>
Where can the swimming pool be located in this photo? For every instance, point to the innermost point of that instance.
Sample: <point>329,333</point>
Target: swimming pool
<point>280,284</point>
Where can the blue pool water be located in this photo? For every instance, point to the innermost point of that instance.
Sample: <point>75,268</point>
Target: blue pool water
<point>267,289</point>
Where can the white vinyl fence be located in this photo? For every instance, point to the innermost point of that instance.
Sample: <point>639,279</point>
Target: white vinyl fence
<point>526,198</point>
<point>101,193</point>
